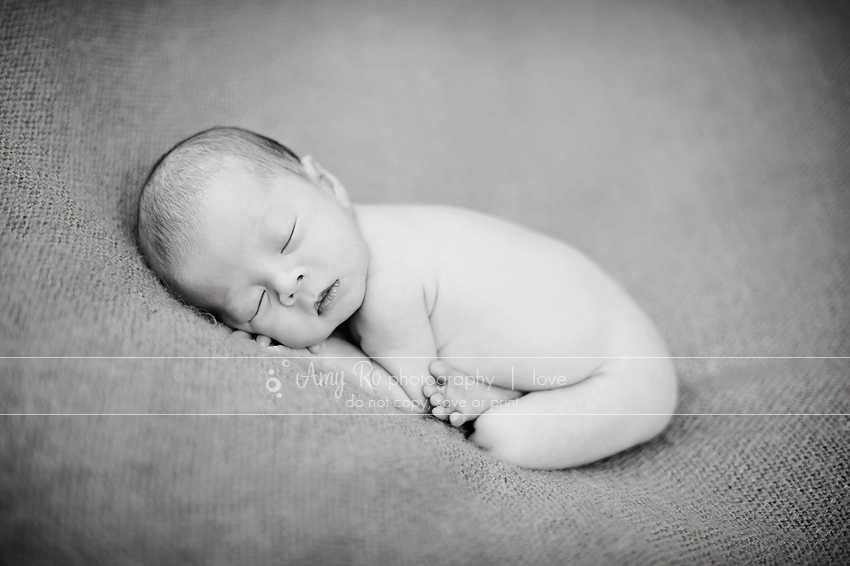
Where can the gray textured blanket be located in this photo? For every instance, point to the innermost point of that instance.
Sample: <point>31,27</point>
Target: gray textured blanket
<point>698,151</point>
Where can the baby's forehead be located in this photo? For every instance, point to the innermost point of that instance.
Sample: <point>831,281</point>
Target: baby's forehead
<point>239,200</point>
<point>233,173</point>
<point>244,186</point>
<point>264,202</point>
<point>249,187</point>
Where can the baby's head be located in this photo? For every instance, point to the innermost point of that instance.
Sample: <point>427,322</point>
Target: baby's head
<point>236,224</point>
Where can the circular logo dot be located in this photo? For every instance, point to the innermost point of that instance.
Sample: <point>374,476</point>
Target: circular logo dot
<point>273,384</point>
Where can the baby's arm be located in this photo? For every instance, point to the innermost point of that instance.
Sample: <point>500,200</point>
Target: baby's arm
<point>393,328</point>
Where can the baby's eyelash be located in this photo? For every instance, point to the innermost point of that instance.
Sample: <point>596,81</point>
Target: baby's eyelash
<point>290,236</point>
<point>260,304</point>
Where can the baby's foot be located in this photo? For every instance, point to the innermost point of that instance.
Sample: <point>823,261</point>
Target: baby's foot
<point>459,398</point>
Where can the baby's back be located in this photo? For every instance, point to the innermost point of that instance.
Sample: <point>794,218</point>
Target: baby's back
<point>506,295</point>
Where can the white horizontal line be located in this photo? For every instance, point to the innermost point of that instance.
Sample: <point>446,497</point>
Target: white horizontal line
<point>413,415</point>
<point>428,357</point>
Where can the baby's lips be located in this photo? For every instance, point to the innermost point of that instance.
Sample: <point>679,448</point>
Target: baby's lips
<point>327,297</point>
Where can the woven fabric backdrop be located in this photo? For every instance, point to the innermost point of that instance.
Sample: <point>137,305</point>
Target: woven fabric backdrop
<point>697,150</point>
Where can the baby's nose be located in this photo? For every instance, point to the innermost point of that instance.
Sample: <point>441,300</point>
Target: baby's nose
<point>288,289</point>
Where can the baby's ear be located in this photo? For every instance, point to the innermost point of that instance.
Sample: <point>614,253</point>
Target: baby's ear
<point>323,178</point>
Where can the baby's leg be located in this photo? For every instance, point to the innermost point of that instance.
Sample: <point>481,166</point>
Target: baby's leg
<point>460,398</point>
<point>625,403</point>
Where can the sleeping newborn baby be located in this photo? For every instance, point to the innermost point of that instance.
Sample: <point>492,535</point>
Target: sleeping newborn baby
<point>465,315</point>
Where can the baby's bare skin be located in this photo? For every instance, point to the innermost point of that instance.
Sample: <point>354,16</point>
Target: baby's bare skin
<point>522,311</point>
<point>489,295</point>
<point>586,372</point>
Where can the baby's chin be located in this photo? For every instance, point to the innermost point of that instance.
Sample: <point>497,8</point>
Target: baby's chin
<point>303,341</point>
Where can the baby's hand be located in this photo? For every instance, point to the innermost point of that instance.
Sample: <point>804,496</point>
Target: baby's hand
<point>279,350</point>
<point>263,341</point>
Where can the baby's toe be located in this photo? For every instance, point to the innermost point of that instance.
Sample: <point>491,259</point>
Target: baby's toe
<point>441,412</point>
<point>429,389</point>
<point>457,419</point>
<point>436,399</point>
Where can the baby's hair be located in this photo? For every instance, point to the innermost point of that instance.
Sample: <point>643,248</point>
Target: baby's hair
<point>169,203</point>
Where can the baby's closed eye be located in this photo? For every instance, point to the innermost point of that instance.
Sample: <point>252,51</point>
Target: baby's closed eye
<point>291,234</point>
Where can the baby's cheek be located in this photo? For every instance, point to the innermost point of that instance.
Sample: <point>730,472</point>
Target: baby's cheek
<point>303,337</point>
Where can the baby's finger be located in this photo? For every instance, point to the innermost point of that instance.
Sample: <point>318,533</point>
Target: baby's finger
<point>278,351</point>
<point>264,341</point>
<point>240,334</point>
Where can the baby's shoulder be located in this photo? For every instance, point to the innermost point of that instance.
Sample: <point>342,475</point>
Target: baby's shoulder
<point>453,221</point>
<point>394,297</point>
<point>423,229</point>
<point>401,218</point>
<point>431,216</point>
<point>410,237</point>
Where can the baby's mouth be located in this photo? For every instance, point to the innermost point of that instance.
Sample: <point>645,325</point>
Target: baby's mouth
<point>326,298</point>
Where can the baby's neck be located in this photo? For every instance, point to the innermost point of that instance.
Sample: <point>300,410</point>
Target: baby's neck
<point>383,227</point>
<point>364,215</point>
